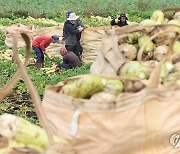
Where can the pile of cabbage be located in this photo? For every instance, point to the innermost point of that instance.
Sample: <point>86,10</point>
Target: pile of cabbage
<point>144,51</point>
<point>155,49</point>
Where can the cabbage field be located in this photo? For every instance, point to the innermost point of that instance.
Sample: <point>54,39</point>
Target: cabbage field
<point>130,77</point>
<point>12,12</point>
<point>52,13</point>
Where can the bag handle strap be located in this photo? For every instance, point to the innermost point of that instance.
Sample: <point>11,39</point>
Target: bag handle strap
<point>170,16</point>
<point>125,30</point>
<point>6,89</point>
<point>162,29</point>
<point>153,81</point>
<point>21,72</point>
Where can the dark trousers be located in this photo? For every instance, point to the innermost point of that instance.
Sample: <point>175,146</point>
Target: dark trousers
<point>39,54</point>
<point>79,48</point>
<point>63,65</point>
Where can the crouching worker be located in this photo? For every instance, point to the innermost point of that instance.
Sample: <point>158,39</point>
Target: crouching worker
<point>70,60</point>
<point>39,45</point>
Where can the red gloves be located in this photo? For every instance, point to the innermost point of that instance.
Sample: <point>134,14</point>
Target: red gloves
<point>57,69</point>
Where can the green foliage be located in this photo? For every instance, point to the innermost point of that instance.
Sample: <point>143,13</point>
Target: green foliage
<point>7,70</point>
<point>24,21</point>
<point>19,102</point>
<point>39,77</point>
<point>19,105</point>
<point>2,40</point>
<point>55,9</point>
<point>138,16</point>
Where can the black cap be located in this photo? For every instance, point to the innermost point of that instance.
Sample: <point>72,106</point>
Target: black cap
<point>122,15</point>
<point>56,38</point>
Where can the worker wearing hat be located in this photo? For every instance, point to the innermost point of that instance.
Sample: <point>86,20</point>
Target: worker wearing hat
<point>121,21</point>
<point>70,32</point>
<point>39,45</point>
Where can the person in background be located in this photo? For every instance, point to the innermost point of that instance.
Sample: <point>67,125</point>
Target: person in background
<point>71,33</point>
<point>67,16</point>
<point>79,24</point>
<point>121,21</point>
<point>70,60</point>
<point>68,13</point>
<point>39,45</point>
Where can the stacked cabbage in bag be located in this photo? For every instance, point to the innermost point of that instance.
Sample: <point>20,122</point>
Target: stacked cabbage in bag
<point>157,47</point>
<point>155,50</point>
<point>93,87</point>
<point>139,65</point>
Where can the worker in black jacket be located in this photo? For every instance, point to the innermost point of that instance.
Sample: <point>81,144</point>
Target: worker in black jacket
<point>71,31</point>
<point>121,21</point>
<point>79,47</point>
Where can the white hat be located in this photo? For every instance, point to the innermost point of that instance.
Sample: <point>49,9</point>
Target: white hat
<point>72,16</point>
